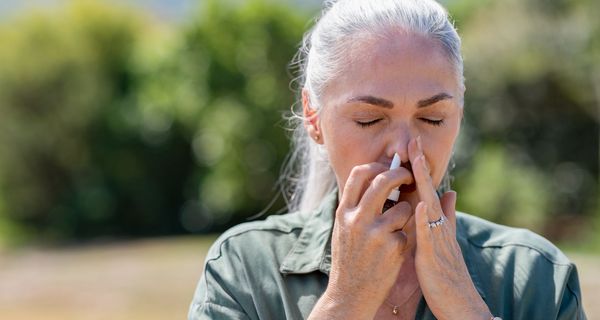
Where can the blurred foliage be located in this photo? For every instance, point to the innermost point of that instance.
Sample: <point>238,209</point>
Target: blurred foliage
<point>491,185</point>
<point>114,124</point>
<point>73,161</point>
<point>533,89</point>
<point>238,54</point>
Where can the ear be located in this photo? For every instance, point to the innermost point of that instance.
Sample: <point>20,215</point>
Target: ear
<point>311,118</point>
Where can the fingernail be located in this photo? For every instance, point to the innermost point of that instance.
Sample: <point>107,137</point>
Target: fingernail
<point>419,144</point>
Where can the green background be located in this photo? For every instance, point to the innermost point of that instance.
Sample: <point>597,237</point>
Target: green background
<point>117,123</point>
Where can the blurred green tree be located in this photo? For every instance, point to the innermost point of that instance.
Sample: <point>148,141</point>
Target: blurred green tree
<point>113,125</point>
<point>532,90</point>
<point>73,163</point>
<point>234,64</point>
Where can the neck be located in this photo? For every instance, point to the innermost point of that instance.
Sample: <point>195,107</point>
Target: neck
<point>406,282</point>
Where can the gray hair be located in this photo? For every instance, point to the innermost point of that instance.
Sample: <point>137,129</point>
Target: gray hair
<point>307,176</point>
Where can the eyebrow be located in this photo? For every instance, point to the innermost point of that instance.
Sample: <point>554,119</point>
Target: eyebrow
<point>389,105</point>
<point>437,98</point>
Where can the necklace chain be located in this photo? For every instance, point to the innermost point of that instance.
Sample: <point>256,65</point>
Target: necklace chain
<point>396,307</point>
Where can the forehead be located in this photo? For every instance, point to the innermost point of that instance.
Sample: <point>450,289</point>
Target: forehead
<point>396,66</point>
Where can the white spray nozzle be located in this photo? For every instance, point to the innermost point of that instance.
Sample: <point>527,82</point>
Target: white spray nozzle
<point>395,193</point>
<point>395,162</point>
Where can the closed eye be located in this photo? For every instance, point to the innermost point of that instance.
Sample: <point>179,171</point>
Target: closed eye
<point>367,123</point>
<point>433,122</point>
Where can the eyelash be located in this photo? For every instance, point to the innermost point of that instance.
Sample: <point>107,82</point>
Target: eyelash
<point>436,123</point>
<point>367,124</point>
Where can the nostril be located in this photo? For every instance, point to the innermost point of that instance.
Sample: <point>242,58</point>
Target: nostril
<point>407,166</point>
<point>411,187</point>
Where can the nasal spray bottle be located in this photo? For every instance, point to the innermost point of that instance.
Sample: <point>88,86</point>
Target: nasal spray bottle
<point>392,199</point>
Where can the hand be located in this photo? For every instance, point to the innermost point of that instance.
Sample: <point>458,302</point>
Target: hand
<point>368,248</point>
<point>441,270</point>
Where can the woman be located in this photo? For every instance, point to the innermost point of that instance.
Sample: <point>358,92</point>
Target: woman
<point>379,78</point>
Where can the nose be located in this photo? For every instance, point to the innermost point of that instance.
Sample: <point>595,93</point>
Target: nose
<point>398,143</point>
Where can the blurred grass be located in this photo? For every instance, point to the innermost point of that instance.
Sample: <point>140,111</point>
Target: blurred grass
<point>142,279</point>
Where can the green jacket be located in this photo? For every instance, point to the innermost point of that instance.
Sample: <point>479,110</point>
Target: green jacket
<point>278,269</point>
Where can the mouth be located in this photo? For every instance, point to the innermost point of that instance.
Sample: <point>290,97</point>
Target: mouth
<point>408,188</point>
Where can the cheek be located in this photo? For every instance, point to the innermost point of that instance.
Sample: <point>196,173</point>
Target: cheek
<point>347,147</point>
<point>438,151</point>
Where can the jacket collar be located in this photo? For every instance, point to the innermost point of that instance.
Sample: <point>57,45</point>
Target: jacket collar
<point>312,250</point>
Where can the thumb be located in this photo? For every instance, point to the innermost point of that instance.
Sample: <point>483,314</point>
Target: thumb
<point>448,202</point>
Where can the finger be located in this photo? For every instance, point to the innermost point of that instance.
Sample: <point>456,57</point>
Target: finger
<point>422,223</point>
<point>397,216</point>
<point>358,181</point>
<point>381,186</point>
<point>402,241</point>
<point>411,234</point>
<point>448,202</point>
<point>423,180</point>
